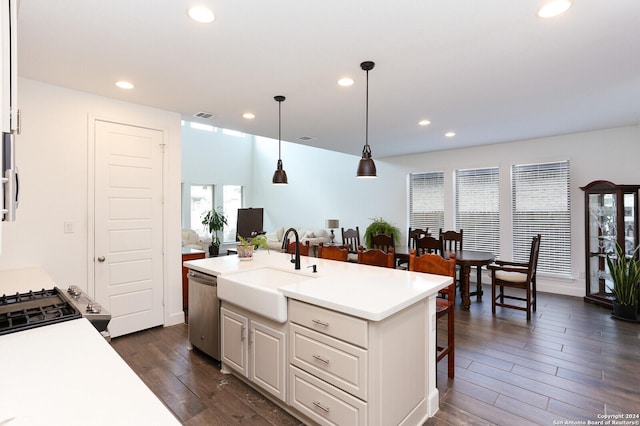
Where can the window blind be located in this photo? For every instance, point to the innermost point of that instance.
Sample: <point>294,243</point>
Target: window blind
<point>541,205</point>
<point>478,209</point>
<point>426,201</point>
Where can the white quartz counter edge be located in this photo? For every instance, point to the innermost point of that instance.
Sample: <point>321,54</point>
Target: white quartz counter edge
<point>368,292</point>
<point>67,374</point>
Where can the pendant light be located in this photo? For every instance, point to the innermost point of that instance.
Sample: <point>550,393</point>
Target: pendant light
<point>280,176</point>
<point>366,167</point>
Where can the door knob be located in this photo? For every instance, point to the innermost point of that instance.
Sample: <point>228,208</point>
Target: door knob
<point>101,259</point>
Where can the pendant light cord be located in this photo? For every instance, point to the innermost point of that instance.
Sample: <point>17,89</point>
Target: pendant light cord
<point>366,134</point>
<point>279,130</point>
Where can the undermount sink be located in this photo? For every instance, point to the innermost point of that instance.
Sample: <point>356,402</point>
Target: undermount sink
<point>257,290</point>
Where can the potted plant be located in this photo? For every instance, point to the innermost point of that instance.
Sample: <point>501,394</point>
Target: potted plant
<point>625,273</point>
<point>246,247</point>
<point>381,226</point>
<point>214,221</point>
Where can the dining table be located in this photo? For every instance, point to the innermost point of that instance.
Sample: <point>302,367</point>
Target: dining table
<point>465,259</point>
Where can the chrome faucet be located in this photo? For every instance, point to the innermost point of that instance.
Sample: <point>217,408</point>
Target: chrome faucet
<point>284,245</point>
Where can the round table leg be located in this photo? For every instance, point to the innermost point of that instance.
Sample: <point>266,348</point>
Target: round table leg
<point>466,300</point>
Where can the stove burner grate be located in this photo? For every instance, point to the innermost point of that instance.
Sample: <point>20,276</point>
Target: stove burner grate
<point>33,309</point>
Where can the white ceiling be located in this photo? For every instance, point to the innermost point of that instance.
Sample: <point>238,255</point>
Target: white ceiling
<point>490,70</point>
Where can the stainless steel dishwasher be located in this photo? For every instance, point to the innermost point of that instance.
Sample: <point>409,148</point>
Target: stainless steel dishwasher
<point>204,313</point>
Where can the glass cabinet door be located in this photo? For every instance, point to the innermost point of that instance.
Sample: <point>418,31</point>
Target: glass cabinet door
<point>611,218</point>
<point>602,237</point>
<point>629,223</point>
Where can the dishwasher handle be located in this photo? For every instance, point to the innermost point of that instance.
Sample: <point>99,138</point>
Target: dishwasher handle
<point>202,278</point>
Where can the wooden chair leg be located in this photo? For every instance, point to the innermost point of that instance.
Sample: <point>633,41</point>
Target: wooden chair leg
<point>493,297</point>
<point>451,345</point>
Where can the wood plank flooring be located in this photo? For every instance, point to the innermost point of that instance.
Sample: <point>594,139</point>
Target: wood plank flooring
<point>572,362</point>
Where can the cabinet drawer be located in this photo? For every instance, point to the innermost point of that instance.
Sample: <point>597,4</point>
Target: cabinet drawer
<point>339,363</point>
<point>324,403</point>
<point>340,326</point>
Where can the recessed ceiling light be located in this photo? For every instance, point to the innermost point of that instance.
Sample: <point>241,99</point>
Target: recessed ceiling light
<point>450,134</point>
<point>424,122</point>
<point>248,115</point>
<point>345,82</point>
<point>201,14</point>
<point>554,8</point>
<point>124,85</point>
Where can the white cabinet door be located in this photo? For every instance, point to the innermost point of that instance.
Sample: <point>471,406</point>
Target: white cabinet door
<point>234,340</point>
<point>268,358</point>
<point>8,66</point>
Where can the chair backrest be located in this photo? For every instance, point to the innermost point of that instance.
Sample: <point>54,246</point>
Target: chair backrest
<point>376,257</point>
<point>533,255</point>
<point>430,245</point>
<point>304,248</point>
<point>333,252</point>
<point>414,234</point>
<point>451,240</point>
<point>351,238</point>
<point>382,242</point>
<point>435,264</point>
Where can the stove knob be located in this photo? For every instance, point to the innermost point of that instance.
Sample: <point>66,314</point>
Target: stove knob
<point>94,308</point>
<point>74,290</point>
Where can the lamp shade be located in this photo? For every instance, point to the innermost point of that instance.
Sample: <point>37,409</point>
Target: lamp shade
<point>279,176</point>
<point>333,223</point>
<point>366,169</point>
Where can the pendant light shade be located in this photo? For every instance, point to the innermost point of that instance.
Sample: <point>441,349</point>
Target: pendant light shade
<point>366,167</point>
<point>279,176</point>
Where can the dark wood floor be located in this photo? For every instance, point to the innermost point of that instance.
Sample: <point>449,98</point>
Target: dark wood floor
<point>571,362</point>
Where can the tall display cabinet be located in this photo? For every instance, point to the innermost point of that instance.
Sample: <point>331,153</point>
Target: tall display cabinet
<point>611,217</point>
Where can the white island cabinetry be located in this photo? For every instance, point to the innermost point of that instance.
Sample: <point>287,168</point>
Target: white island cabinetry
<point>254,347</point>
<point>357,345</point>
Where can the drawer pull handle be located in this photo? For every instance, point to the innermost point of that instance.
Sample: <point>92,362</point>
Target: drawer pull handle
<point>320,406</point>
<point>242,337</point>
<point>319,358</point>
<point>322,323</point>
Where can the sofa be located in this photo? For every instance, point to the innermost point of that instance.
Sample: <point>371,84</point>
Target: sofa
<point>191,239</point>
<point>313,235</point>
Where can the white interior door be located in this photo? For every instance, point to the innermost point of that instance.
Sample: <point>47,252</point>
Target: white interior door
<point>128,225</point>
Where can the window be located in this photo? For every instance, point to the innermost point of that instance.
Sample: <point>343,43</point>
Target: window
<point>231,202</point>
<point>541,205</point>
<point>201,203</point>
<point>477,209</point>
<point>426,201</point>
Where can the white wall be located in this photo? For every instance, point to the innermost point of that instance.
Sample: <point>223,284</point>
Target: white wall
<point>52,157</point>
<point>218,159</point>
<point>322,185</point>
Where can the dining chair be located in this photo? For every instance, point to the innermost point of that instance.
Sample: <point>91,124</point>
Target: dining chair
<point>414,234</point>
<point>304,248</point>
<point>518,276</point>
<point>382,242</point>
<point>351,238</point>
<point>451,240</point>
<point>376,257</point>
<point>435,264</point>
<point>429,245</point>
<point>333,252</point>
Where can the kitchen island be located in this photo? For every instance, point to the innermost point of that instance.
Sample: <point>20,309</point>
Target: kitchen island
<point>357,344</point>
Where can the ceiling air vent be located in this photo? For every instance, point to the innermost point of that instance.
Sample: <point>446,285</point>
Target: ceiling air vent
<point>204,115</point>
<point>306,138</point>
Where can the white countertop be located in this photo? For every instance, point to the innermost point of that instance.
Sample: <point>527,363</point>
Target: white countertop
<point>67,374</point>
<point>370,292</point>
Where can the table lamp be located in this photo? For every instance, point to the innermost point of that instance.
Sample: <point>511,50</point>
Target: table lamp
<point>332,224</point>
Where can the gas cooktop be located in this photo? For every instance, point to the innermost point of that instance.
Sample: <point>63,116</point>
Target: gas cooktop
<point>22,311</point>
